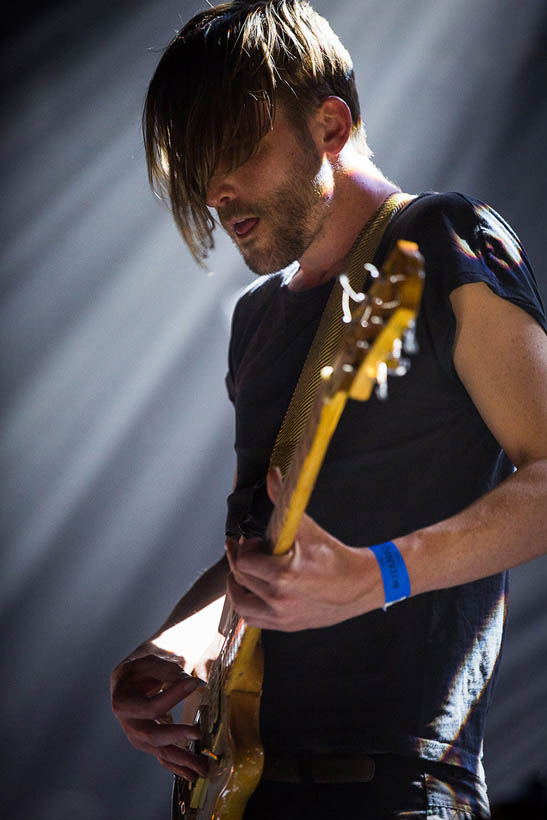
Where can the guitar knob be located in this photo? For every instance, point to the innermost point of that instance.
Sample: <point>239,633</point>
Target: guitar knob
<point>381,391</point>
<point>410,343</point>
<point>381,382</point>
<point>396,364</point>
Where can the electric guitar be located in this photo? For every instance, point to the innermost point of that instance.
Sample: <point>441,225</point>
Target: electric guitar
<point>380,329</point>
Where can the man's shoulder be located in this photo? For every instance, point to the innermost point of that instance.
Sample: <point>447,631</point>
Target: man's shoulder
<point>262,287</point>
<point>260,292</point>
<point>440,220</point>
<point>251,302</point>
<point>451,206</point>
<point>464,240</point>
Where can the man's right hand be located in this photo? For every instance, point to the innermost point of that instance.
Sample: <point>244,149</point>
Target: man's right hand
<point>144,688</point>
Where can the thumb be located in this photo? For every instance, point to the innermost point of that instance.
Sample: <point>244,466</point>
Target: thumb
<point>274,484</point>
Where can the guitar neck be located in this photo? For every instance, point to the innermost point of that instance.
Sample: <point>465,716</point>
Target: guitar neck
<point>239,657</point>
<point>304,469</point>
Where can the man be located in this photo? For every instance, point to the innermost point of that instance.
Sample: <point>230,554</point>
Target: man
<point>253,113</point>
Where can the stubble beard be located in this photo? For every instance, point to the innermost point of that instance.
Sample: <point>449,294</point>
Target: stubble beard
<point>294,220</point>
<point>293,215</point>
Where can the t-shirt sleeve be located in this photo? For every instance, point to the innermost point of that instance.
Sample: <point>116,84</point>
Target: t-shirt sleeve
<point>465,241</point>
<point>229,382</point>
<point>246,314</point>
<point>229,378</point>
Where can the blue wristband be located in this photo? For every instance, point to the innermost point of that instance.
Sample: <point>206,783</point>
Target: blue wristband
<point>394,572</point>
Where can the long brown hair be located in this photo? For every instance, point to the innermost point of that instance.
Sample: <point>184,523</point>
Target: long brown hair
<point>213,97</point>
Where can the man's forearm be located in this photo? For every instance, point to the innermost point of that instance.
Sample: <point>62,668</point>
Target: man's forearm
<point>504,528</point>
<point>208,587</point>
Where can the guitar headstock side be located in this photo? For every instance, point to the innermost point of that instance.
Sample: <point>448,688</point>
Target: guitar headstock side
<point>373,342</point>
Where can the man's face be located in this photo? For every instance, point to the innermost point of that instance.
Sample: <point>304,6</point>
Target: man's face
<point>275,204</point>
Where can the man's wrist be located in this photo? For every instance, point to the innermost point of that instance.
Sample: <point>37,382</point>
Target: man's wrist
<point>395,578</point>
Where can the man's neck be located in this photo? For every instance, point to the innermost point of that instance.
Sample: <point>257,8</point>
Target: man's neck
<point>360,189</point>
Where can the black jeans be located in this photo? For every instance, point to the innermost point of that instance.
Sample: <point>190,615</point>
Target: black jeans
<point>402,787</point>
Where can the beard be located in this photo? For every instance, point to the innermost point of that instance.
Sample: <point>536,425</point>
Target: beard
<point>291,217</point>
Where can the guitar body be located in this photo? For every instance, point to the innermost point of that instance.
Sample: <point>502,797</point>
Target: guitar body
<point>229,718</point>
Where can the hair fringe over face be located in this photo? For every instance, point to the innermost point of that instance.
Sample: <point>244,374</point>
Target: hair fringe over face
<point>214,92</point>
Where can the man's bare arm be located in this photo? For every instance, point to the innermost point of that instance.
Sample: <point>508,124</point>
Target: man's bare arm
<point>147,684</point>
<point>208,587</point>
<point>500,354</point>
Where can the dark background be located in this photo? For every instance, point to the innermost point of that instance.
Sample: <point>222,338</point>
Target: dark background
<point>116,435</point>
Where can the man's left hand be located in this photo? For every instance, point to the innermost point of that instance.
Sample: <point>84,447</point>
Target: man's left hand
<point>319,582</point>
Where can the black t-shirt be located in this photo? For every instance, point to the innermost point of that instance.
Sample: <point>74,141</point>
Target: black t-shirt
<point>416,679</point>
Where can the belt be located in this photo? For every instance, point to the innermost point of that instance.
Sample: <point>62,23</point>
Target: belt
<point>311,767</point>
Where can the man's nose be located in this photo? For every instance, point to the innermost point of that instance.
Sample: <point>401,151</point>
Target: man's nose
<point>220,191</point>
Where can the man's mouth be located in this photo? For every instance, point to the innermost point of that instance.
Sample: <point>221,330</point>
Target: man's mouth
<point>245,226</point>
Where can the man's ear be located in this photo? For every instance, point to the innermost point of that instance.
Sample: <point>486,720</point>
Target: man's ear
<point>331,126</point>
